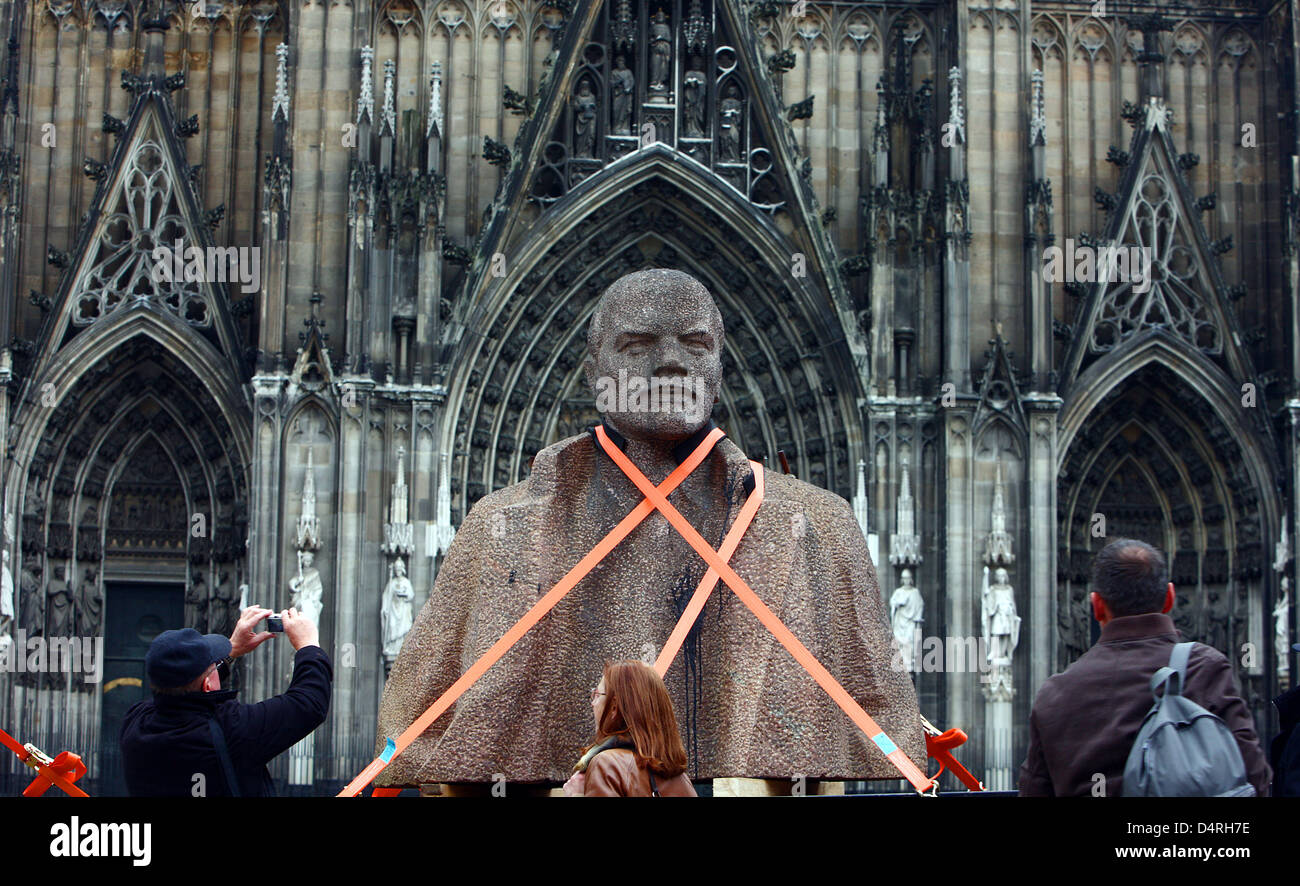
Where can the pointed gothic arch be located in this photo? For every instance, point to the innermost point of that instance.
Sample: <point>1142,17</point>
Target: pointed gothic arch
<point>790,384</point>
<point>135,470</point>
<point>1157,450</point>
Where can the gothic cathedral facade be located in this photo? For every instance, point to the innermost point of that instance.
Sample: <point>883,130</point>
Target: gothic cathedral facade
<point>299,281</point>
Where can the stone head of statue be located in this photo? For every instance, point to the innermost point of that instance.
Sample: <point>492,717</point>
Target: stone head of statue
<point>906,578</point>
<point>1000,576</point>
<point>654,355</point>
<point>399,567</point>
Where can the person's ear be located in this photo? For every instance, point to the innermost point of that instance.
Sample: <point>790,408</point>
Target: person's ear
<point>1099,610</point>
<point>1169,598</point>
<point>212,682</point>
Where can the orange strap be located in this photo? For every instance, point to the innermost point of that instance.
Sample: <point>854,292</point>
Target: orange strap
<point>532,617</point>
<point>62,771</point>
<point>801,654</point>
<point>710,580</point>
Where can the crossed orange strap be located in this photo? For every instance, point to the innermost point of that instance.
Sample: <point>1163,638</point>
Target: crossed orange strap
<point>656,498</point>
<point>530,618</point>
<point>769,619</point>
<point>62,771</point>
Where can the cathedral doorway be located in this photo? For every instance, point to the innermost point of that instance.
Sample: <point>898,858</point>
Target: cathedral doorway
<point>1155,461</point>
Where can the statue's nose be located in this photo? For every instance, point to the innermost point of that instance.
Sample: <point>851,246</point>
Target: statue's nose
<point>672,360</point>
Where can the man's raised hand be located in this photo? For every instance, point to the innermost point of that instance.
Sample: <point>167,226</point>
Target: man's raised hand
<point>244,639</point>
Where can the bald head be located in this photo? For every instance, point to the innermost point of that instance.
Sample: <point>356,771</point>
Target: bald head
<point>659,286</point>
<point>1131,577</point>
<point>657,328</point>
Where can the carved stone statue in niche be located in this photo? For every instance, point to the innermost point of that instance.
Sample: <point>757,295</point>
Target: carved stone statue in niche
<point>306,588</point>
<point>397,612</point>
<point>223,597</point>
<point>196,604</point>
<point>693,94</point>
<point>32,600</point>
<point>60,607</point>
<point>729,113</point>
<point>90,604</point>
<point>584,121</point>
<point>623,87</point>
<point>1216,621</point>
<point>661,54</point>
<point>906,612</point>
<point>1000,621</point>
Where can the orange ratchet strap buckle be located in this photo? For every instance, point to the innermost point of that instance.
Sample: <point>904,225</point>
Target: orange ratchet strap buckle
<point>60,771</point>
<point>939,746</point>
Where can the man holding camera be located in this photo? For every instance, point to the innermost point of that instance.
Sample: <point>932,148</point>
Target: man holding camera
<point>194,738</point>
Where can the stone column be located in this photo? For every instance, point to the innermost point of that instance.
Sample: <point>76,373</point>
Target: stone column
<point>349,585</point>
<point>961,589</point>
<point>428,330</point>
<point>1038,237</point>
<point>263,519</point>
<point>276,198</point>
<point>956,263</point>
<point>1042,415</point>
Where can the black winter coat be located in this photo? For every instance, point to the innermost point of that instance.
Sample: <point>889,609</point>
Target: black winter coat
<point>1285,749</point>
<point>166,742</point>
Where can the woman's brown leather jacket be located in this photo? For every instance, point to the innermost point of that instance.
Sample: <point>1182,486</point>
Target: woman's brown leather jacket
<point>614,773</point>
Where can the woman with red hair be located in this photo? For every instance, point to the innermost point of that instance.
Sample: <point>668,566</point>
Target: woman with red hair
<point>638,751</point>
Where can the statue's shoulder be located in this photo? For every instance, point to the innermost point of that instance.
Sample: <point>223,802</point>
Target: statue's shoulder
<point>816,502</point>
<point>562,463</point>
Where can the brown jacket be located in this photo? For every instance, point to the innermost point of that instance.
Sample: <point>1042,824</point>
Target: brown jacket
<point>1085,720</point>
<point>614,773</point>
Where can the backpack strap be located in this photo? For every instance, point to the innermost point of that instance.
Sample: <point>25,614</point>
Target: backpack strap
<point>1173,676</point>
<point>1178,660</point>
<point>219,742</point>
<point>654,788</point>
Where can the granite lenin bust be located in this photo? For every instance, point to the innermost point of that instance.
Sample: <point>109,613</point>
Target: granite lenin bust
<point>744,706</point>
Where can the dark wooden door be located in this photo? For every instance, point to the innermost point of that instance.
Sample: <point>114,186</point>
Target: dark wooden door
<point>134,615</point>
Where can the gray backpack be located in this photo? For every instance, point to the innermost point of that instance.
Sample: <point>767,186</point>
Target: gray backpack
<point>1183,750</point>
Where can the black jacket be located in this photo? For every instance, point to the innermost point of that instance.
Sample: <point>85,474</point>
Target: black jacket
<point>1284,752</point>
<point>167,741</point>
<point>1085,721</point>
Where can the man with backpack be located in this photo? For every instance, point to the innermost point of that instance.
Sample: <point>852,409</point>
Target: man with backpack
<point>1093,730</point>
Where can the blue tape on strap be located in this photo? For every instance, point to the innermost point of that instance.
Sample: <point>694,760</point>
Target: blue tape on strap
<point>886,746</point>
<point>391,748</point>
